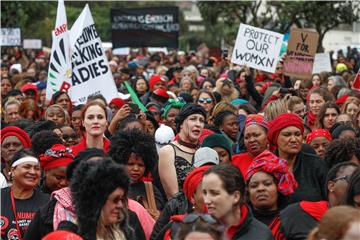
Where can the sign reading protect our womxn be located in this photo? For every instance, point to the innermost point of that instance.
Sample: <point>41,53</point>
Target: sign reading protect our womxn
<point>257,48</point>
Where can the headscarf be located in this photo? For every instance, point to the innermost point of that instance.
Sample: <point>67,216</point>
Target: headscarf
<point>172,103</point>
<point>269,163</point>
<point>282,121</point>
<point>256,119</point>
<point>318,133</point>
<point>187,110</point>
<point>339,129</point>
<point>17,132</point>
<point>192,181</point>
<point>57,156</point>
<point>154,79</point>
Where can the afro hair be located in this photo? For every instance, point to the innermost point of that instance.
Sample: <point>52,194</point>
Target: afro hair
<point>341,150</point>
<point>43,141</point>
<point>123,143</point>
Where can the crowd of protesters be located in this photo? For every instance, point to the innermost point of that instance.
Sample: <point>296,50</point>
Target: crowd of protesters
<point>222,152</point>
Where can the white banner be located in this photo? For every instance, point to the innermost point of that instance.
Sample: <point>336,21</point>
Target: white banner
<point>59,73</point>
<point>322,63</point>
<point>257,48</point>
<point>10,37</point>
<point>32,44</point>
<point>91,73</point>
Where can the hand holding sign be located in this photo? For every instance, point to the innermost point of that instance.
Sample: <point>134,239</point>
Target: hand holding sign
<point>256,47</point>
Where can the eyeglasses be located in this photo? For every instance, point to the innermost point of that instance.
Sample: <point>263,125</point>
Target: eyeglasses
<point>191,218</point>
<point>205,100</point>
<point>71,136</point>
<point>346,178</point>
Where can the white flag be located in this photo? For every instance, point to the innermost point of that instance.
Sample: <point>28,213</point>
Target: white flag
<point>91,73</point>
<point>59,74</point>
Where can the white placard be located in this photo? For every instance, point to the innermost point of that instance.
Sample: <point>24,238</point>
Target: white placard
<point>257,48</point>
<point>32,44</point>
<point>10,37</point>
<point>322,63</point>
<point>91,73</point>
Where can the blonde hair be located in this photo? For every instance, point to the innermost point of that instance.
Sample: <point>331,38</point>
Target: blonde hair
<point>66,114</point>
<point>113,231</point>
<point>222,106</point>
<point>349,100</point>
<point>274,109</point>
<point>292,101</point>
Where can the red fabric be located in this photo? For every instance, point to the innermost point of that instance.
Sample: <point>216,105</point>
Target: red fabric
<point>242,161</point>
<point>282,121</point>
<point>118,102</point>
<point>192,181</point>
<point>265,86</point>
<point>82,146</point>
<point>154,79</point>
<point>28,86</point>
<point>260,78</point>
<point>205,133</point>
<point>275,229</point>
<point>310,119</point>
<point>161,92</point>
<point>270,163</point>
<point>269,100</point>
<point>57,156</point>
<point>174,218</point>
<point>232,229</point>
<point>318,133</point>
<point>17,132</point>
<point>256,119</point>
<point>62,235</point>
<point>342,99</point>
<point>315,209</point>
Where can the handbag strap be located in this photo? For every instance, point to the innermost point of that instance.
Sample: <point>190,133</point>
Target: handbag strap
<point>150,195</point>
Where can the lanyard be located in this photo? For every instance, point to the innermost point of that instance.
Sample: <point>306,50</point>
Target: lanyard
<point>14,211</point>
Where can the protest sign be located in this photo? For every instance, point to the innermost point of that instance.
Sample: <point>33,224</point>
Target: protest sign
<point>300,53</point>
<point>59,73</point>
<point>356,83</point>
<point>10,37</point>
<point>145,27</point>
<point>322,63</point>
<point>257,48</point>
<point>32,44</point>
<point>91,73</point>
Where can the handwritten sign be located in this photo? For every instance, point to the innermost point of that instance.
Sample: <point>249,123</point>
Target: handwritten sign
<point>301,53</point>
<point>257,48</point>
<point>322,63</point>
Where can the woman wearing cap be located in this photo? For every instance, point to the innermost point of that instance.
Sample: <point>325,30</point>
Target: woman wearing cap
<point>269,182</point>
<point>20,201</point>
<point>319,139</point>
<point>221,145</point>
<point>99,190</point>
<point>175,159</point>
<point>54,162</point>
<point>13,139</point>
<point>285,136</point>
<point>171,110</point>
<point>255,132</point>
<point>224,195</point>
<point>94,120</point>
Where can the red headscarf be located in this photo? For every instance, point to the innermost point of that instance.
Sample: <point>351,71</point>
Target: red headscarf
<point>118,102</point>
<point>57,156</point>
<point>154,79</point>
<point>192,180</point>
<point>318,133</point>
<point>17,132</point>
<point>269,163</point>
<point>256,119</point>
<point>282,121</point>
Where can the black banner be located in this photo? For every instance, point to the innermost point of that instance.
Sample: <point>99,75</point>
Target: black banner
<point>145,27</point>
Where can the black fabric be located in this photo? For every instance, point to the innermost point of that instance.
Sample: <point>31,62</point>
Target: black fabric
<point>310,173</point>
<point>42,222</point>
<point>138,190</point>
<point>265,216</point>
<point>178,204</point>
<point>296,223</point>
<point>25,208</point>
<point>255,95</point>
<point>252,229</point>
<point>134,230</point>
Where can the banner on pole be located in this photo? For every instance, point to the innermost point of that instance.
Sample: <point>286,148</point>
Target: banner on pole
<point>90,68</point>
<point>59,73</point>
<point>300,54</point>
<point>145,27</point>
<point>257,48</point>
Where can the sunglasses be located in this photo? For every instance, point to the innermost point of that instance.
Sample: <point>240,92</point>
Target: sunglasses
<point>346,178</point>
<point>191,218</point>
<point>205,100</point>
<point>71,136</point>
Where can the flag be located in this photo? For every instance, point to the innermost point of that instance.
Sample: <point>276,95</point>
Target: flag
<point>134,97</point>
<point>91,73</point>
<point>356,83</point>
<point>59,73</point>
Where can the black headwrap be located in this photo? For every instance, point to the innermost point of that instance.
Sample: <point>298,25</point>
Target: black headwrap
<point>186,111</point>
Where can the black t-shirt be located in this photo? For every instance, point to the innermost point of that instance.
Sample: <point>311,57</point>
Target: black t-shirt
<point>25,209</point>
<point>138,190</point>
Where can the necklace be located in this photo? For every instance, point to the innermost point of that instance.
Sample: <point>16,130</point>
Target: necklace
<point>189,145</point>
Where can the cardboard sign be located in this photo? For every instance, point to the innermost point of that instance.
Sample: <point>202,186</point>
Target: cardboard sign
<point>32,44</point>
<point>322,63</point>
<point>145,27</point>
<point>257,48</point>
<point>59,73</point>
<point>301,53</point>
<point>10,37</point>
<point>91,73</point>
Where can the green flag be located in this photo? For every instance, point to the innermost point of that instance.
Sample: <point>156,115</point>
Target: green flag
<point>134,97</point>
